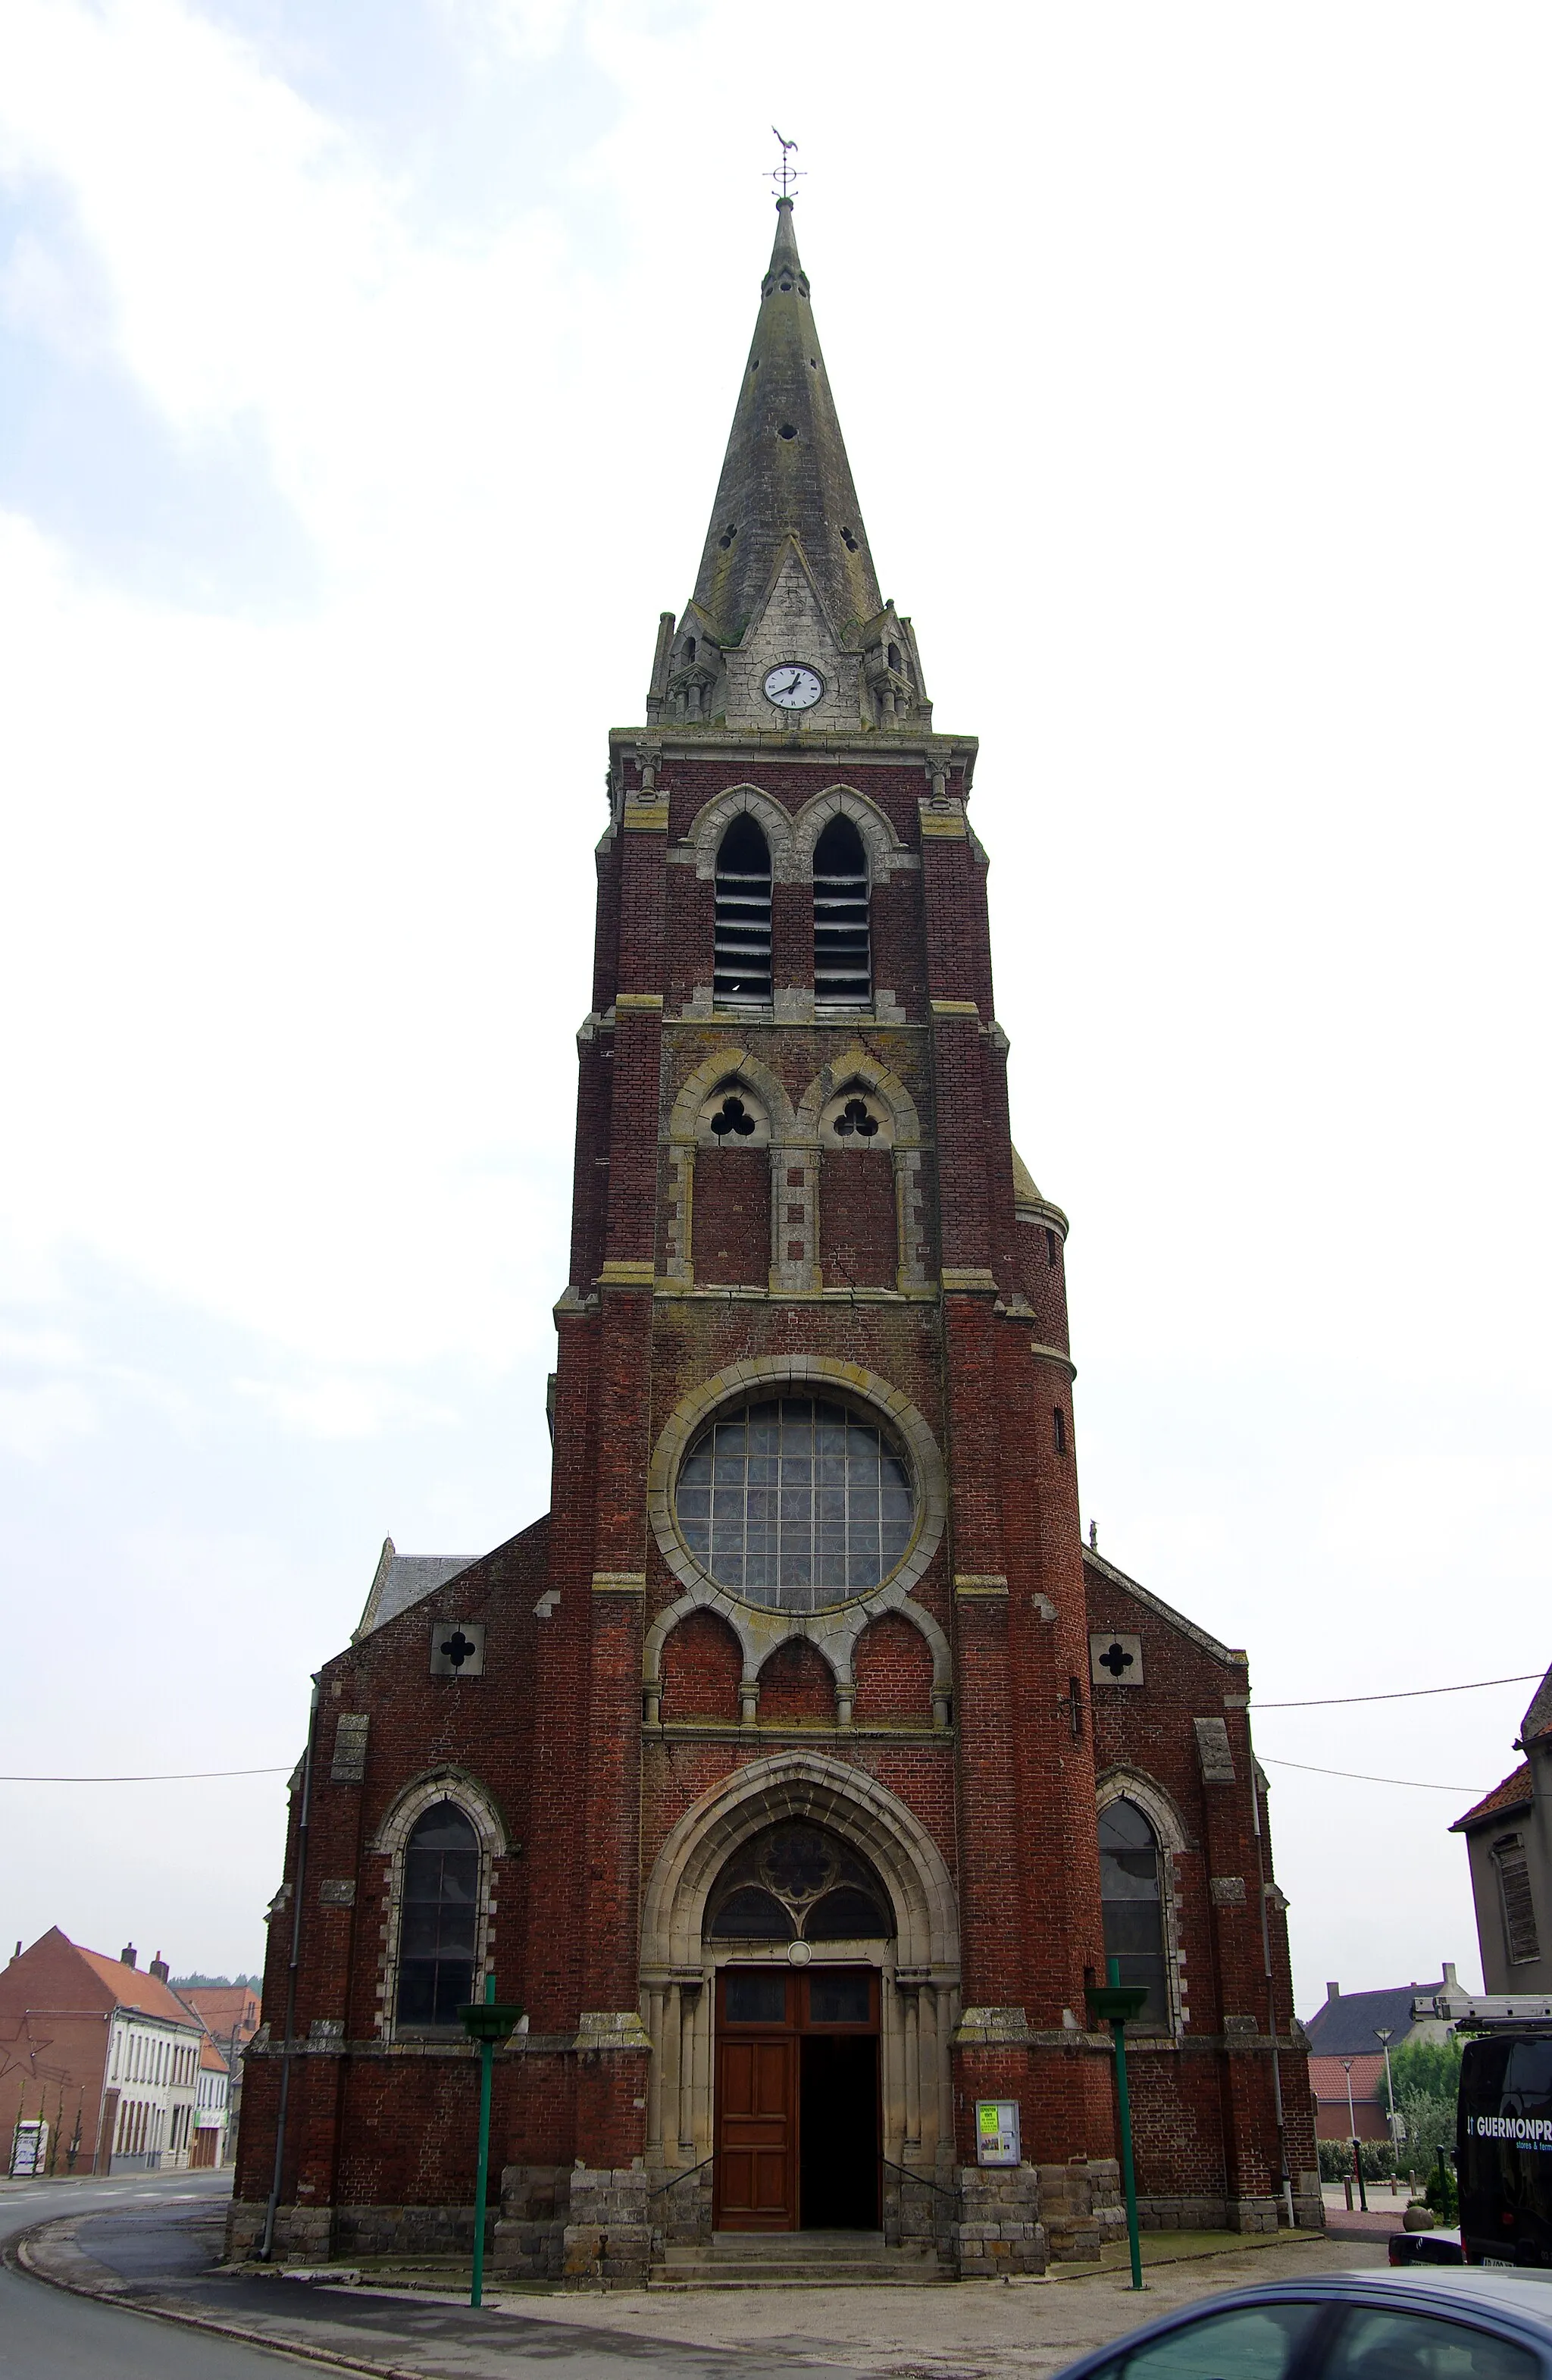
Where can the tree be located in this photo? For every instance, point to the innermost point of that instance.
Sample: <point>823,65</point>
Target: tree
<point>1427,2079</point>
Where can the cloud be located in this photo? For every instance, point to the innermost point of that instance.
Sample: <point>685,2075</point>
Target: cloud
<point>34,1422</point>
<point>348,1408</point>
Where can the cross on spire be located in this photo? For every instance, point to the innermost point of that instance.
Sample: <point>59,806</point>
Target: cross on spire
<point>786,173</point>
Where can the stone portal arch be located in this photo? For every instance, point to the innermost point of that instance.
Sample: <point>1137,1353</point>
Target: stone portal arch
<point>713,819</point>
<point>885,851</point>
<point>919,1970</point>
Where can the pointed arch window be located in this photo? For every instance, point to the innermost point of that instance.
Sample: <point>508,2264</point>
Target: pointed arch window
<point>741,957</point>
<point>438,1918</point>
<point>1131,1901</point>
<point>842,956</point>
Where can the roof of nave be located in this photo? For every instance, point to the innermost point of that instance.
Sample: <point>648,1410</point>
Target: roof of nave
<point>785,474</point>
<point>1166,1611</point>
<point>1514,1794</point>
<point>402,1579</point>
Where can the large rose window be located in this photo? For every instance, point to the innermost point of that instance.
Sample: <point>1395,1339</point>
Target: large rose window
<point>795,1501</point>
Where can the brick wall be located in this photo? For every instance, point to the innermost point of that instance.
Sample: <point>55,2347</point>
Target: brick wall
<point>701,1667</point>
<point>730,1229</point>
<point>552,1734</point>
<point>893,1668</point>
<point>859,1238</point>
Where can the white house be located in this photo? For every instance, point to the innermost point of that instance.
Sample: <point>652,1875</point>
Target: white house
<point>211,2106</point>
<point>153,2063</point>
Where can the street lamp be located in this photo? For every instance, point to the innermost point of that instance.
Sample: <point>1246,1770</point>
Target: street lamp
<point>487,2021</point>
<point>1352,2135</point>
<point>1117,2002</point>
<point>1382,2034</point>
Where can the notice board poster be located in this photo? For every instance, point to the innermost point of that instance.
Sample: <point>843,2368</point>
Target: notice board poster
<point>996,2131</point>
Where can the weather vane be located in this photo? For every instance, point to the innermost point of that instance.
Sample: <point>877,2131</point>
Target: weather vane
<point>786,173</point>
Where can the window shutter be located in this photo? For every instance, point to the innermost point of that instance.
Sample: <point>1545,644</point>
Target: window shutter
<point>1519,1925</point>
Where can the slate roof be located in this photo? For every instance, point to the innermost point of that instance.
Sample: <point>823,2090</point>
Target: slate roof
<point>785,474</point>
<point>1514,1794</point>
<point>404,1579</point>
<point>1345,2027</point>
<point>1538,1719</point>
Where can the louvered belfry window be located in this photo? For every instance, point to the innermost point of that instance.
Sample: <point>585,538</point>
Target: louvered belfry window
<point>843,961</point>
<point>742,916</point>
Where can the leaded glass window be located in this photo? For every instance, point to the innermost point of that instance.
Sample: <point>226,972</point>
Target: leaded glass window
<point>798,1879</point>
<point>1129,1898</point>
<point>437,1920</point>
<point>795,1501</point>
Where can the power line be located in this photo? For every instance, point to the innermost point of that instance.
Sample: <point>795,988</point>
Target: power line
<point>1422,1785</point>
<point>1319,1702</point>
<point>1406,1695</point>
<point>166,1776</point>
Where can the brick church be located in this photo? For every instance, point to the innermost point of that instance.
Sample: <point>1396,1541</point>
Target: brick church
<point>796,1770</point>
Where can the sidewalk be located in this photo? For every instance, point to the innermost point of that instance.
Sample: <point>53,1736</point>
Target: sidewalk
<point>1383,2217</point>
<point>164,2263</point>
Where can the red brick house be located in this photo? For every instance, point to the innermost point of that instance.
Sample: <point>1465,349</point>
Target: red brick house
<point>102,2053</point>
<point>1345,2029</point>
<point>799,1768</point>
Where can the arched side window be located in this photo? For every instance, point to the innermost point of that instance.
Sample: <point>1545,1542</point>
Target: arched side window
<point>438,1918</point>
<point>1132,1898</point>
<point>741,957</point>
<point>843,959</point>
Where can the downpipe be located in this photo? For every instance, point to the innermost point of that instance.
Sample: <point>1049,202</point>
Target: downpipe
<point>266,2246</point>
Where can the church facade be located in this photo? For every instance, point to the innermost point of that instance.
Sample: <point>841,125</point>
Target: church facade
<point>796,1772</point>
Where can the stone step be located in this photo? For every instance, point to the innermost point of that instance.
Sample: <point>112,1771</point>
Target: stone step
<point>918,2276</point>
<point>793,2260</point>
<point>777,2246</point>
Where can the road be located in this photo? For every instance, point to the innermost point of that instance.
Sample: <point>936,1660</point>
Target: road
<point>45,2331</point>
<point>144,2232</point>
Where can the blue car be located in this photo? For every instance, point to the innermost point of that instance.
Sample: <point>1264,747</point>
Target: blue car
<point>1434,2323</point>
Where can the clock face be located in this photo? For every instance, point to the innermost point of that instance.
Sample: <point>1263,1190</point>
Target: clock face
<point>793,686</point>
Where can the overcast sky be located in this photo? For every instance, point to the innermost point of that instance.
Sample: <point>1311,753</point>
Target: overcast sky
<point>365,371</point>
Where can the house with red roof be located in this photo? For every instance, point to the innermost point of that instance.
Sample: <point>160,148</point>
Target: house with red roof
<point>229,2013</point>
<point>105,2057</point>
<point>1508,1842</point>
<point>1346,2049</point>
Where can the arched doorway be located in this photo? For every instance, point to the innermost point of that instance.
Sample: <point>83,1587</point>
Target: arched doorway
<point>805,1875</point>
<point>798,2142</point>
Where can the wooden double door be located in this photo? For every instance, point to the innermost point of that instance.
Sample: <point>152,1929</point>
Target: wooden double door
<point>797,2115</point>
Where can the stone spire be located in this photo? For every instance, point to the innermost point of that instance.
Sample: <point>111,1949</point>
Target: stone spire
<point>785,473</point>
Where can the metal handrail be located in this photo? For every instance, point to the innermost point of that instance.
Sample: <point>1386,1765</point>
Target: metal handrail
<point>925,2179</point>
<point>689,2175</point>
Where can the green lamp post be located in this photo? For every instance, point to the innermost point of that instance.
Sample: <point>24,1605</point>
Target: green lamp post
<point>1116,2003</point>
<point>487,2021</point>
